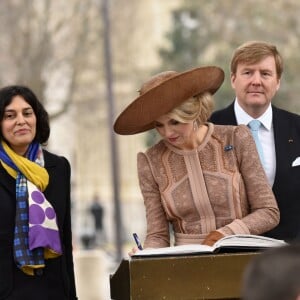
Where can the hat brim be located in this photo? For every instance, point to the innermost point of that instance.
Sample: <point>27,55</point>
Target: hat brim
<point>139,116</point>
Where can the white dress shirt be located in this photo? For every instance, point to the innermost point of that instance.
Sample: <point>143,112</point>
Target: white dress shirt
<point>266,137</point>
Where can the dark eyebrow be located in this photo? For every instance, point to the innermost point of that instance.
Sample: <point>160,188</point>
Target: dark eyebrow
<point>11,110</point>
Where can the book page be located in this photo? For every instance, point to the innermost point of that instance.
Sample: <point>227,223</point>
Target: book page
<point>248,240</point>
<point>238,241</point>
<point>175,250</point>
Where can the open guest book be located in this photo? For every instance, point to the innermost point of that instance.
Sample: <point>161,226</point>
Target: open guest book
<point>231,243</point>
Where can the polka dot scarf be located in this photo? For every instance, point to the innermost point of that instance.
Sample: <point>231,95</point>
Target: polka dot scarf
<point>36,235</point>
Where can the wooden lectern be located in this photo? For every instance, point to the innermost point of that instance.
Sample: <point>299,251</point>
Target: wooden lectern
<point>206,276</point>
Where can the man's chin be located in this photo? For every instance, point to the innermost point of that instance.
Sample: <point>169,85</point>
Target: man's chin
<point>256,99</point>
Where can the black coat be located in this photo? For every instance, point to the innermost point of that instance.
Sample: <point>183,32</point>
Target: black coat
<point>286,186</point>
<point>57,281</point>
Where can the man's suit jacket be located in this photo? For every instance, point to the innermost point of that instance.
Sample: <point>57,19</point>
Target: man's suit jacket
<point>286,186</point>
<point>57,281</point>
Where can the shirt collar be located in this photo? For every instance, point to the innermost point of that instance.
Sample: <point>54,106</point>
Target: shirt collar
<point>243,118</point>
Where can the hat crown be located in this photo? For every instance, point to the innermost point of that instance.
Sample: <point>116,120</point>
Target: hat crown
<point>156,80</point>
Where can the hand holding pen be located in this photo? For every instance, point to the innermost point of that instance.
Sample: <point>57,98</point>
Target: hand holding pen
<point>138,243</point>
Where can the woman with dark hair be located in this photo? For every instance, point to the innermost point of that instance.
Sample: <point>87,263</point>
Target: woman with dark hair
<point>35,221</point>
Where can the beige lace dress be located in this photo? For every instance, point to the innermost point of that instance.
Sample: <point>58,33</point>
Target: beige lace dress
<point>220,185</point>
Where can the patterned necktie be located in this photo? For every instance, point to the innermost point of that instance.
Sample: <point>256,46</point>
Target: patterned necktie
<point>254,126</point>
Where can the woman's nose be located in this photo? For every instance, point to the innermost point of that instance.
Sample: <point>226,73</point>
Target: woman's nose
<point>167,131</point>
<point>20,119</point>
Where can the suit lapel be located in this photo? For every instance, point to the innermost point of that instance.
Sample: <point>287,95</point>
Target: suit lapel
<point>7,182</point>
<point>283,137</point>
<point>50,163</point>
<point>225,116</point>
<point>287,146</point>
<point>231,115</point>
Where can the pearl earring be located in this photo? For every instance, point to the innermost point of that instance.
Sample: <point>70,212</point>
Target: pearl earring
<point>195,127</point>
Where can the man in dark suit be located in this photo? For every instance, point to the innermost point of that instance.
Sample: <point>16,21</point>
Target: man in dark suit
<point>256,69</point>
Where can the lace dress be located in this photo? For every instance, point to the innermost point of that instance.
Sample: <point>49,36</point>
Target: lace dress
<point>220,185</point>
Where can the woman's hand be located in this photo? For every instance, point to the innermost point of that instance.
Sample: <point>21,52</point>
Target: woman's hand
<point>212,237</point>
<point>133,250</point>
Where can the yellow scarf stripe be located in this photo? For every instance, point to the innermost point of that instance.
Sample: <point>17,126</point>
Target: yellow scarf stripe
<point>29,269</point>
<point>49,253</point>
<point>32,171</point>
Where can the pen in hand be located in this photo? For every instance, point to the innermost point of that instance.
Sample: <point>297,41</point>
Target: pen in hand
<point>137,241</point>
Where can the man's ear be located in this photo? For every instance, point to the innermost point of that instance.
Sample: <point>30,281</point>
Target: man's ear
<point>277,88</point>
<point>232,80</point>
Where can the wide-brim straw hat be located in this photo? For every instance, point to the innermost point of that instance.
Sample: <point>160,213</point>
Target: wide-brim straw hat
<point>162,93</point>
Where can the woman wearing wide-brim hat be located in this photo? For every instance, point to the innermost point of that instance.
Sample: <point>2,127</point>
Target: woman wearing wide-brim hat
<point>205,180</point>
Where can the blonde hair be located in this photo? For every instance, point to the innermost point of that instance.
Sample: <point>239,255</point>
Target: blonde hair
<point>197,108</point>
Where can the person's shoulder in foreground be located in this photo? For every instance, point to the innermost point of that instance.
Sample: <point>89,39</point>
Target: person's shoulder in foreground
<point>273,275</point>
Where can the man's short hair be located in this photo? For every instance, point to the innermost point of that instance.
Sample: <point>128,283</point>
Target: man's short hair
<point>273,275</point>
<point>253,52</point>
